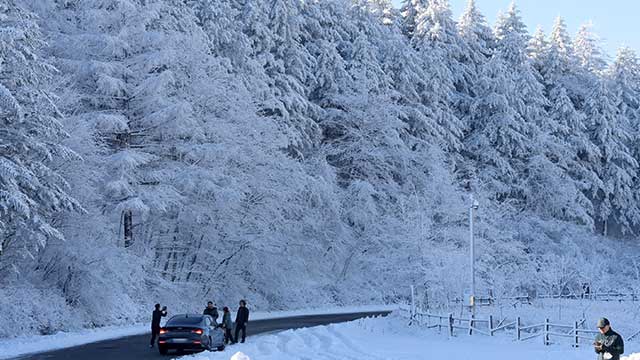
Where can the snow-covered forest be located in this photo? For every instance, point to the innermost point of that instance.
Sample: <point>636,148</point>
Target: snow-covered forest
<point>298,153</point>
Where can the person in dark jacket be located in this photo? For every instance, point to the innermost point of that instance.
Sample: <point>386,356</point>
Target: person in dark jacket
<point>212,311</point>
<point>242,318</point>
<point>227,325</point>
<point>155,322</point>
<point>608,344</point>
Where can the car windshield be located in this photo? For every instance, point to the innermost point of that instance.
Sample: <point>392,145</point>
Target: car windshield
<point>184,321</point>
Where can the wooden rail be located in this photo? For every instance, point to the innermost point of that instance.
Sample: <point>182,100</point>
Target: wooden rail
<point>487,326</point>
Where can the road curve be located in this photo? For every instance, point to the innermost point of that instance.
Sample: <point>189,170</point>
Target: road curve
<point>137,347</point>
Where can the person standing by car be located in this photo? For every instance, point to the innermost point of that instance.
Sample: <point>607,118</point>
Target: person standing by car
<point>155,323</point>
<point>242,318</point>
<point>212,311</point>
<point>227,324</point>
<point>608,344</point>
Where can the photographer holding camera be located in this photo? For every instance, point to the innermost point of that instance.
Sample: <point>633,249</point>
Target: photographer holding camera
<point>608,344</point>
<point>155,322</point>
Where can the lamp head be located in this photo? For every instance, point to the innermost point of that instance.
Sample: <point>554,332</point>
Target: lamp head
<point>475,205</point>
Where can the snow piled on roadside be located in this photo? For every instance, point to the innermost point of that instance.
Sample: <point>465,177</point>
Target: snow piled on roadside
<point>389,339</point>
<point>41,343</point>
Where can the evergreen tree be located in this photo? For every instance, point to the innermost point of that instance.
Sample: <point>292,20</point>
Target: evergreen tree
<point>539,49</point>
<point>625,77</point>
<point>587,50</point>
<point>383,10</point>
<point>274,28</point>
<point>497,142</point>
<point>544,163</point>
<point>474,29</point>
<point>617,169</point>
<point>32,191</point>
<point>436,39</point>
<point>409,11</point>
<point>560,40</point>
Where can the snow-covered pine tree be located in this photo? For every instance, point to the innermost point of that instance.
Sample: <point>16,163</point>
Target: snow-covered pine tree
<point>561,42</point>
<point>274,30</point>
<point>539,49</point>
<point>409,11</point>
<point>614,197</point>
<point>32,190</point>
<point>479,43</point>
<point>587,50</point>
<point>384,11</point>
<point>524,107</point>
<point>497,140</point>
<point>625,77</point>
<point>477,35</point>
<point>219,20</point>
<point>438,43</point>
<point>567,145</point>
<point>89,42</point>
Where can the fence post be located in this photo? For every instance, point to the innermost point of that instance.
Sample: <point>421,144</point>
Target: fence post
<point>490,325</point>
<point>471,324</point>
<point>450,325</point>
<point>545,333</point>
<point>413,304</point>
<point>575,333</point>
<point>518,328</point>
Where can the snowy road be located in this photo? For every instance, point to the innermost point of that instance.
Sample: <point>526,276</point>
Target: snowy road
<point>135,347</point>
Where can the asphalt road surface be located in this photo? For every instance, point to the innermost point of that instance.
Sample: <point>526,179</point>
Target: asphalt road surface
<point>137,347</point>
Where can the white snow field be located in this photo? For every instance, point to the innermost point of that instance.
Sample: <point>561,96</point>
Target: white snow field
<point>390,339</point>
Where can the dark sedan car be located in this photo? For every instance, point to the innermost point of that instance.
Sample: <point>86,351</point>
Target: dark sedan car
<point>190,332</point>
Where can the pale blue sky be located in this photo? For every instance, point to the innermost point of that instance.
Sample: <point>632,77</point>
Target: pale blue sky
<point>617,22</point>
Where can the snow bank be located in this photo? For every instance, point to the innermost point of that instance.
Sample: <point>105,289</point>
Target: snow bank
<point>240,356</point>
<point>388,339</point>
<point>258,315</point>
<point>34,344</point>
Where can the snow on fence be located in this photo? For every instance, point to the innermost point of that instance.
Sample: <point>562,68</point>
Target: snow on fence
<point>526,299</point>
<point>490,327</point>
<point>596,296</point>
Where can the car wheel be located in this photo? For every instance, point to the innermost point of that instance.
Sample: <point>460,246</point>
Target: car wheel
<point>221,348</point>
<point>163,350</point>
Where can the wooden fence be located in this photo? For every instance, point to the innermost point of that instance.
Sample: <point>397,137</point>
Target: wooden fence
<point>526,299</point>
<point>596,296</point>
<point>490,326</point>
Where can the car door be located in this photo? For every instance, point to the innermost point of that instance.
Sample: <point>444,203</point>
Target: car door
<point>207,324</point>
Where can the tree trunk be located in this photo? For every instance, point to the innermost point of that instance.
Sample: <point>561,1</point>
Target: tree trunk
<point>128,228</point>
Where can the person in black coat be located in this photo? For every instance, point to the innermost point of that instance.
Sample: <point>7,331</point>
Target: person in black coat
<point>242,318</point>
<point>212,311</point>
<point>608,343</point>
<point>155,322</point>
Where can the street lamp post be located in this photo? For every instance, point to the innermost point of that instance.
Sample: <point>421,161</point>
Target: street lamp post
<point>472,299</point>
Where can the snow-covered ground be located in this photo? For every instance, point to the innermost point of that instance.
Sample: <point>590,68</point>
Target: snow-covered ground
<point>40,343</point>
<point>624,316</point>
<point>390,339</point>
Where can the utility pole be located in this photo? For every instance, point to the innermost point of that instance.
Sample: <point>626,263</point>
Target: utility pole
<point>472,299</point>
